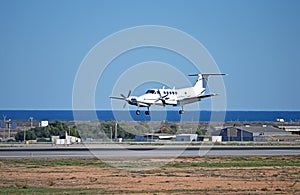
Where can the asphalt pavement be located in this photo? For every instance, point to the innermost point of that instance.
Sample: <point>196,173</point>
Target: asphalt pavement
<point>116,151</point>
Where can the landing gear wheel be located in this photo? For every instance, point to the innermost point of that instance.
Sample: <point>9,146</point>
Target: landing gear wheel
<point>137,112</point>
<point>181,111</point>
<point>147,112</point>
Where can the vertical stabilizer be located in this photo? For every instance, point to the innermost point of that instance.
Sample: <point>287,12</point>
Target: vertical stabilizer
<point>201,83</point>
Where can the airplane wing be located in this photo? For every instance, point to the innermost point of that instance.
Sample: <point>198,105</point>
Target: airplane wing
<point>144,104</point>
<point>117,98</point>
<point>194,99</point>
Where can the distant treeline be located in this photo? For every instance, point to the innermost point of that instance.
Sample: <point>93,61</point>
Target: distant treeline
<point>56,128</point>
<point>105,130</point>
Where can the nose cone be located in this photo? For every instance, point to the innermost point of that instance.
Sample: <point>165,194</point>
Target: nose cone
<point>132,100</point>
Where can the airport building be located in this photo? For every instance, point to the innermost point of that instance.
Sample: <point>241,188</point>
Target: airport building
<point>186,137</point>
<point>154,137</point>
<point>166,137</point>
<point>249,133</point>
<point>65,139</point>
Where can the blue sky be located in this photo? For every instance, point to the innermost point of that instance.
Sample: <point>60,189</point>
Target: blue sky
<point>43,43</point>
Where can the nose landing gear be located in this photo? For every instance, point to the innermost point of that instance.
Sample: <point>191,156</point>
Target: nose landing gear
<point>147,112</point>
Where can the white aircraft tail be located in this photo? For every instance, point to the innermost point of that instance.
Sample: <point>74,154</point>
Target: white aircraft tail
<point>201,83</point>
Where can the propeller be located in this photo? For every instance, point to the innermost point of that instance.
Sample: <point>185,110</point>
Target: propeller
<point>129,99</point>
<point>162,98</point>
<point>126,98</point>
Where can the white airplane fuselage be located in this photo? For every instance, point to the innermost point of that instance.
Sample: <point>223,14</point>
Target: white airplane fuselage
<point>173,97</point>
<point>153,96</point>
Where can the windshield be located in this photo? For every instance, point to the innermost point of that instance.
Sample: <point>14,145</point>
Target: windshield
<point>150,91</point>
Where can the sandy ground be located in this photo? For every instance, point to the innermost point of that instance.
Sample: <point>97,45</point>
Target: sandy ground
<point>160,180</point>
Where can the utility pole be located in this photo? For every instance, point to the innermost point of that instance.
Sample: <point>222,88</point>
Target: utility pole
<point>4,122</point>
<point>110,134</point>
<point>25,135</point>
<point>116,131</point>
<point>9,125</point>
<point>31,126</point>
<point>31,121</point>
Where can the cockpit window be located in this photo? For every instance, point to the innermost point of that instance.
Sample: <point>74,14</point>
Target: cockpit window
<point>150,91</point>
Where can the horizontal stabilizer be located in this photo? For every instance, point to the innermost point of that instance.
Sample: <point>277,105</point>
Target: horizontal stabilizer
<point>208,74</point>
<point>194,99</point>
<point>209,95</point>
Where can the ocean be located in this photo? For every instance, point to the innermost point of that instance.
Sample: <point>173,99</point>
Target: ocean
<point>171,115</point>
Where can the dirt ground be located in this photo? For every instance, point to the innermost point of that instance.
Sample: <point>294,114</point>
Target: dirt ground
<point>190,178</point>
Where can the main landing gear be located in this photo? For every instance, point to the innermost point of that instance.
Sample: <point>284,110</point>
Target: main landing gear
<point>181,111</point>
<point>147,112</point>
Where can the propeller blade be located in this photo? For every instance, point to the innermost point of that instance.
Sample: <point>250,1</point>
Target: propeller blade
<point>129,93</point>
<point>123,96</point>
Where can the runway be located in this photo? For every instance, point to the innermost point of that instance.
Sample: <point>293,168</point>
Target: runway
<point>115,151</point>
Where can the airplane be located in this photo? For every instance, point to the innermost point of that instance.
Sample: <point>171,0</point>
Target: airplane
<point>172,97</point>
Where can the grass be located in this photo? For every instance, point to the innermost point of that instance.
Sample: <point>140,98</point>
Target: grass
<point>208,162</point>
<point>239,162</point>
<point>23,187</point>
<point>39,190</point>
<point>37,163</point>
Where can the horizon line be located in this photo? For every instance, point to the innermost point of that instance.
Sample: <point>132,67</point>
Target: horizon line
<point>24,109</point>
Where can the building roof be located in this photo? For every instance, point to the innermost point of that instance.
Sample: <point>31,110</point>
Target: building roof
<point>255,129</point>
<point>260,129</point>
<point>187,134</point>
<point>159,135</point>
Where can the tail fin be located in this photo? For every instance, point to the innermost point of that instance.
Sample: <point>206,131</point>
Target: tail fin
<point>201,82</point>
